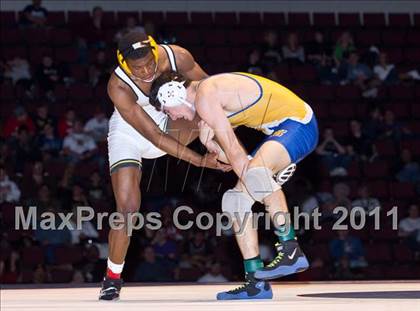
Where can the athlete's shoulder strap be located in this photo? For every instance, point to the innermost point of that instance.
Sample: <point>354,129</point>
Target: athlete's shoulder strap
<point>120,73</point>
<point>171,56</point>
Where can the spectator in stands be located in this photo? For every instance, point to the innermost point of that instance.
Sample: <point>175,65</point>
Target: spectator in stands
<point>384,71</point>
<point>48,75</point>
<point>9,191</point>
<point>78,197</point>
<point>20,119</point>
<point>327,71</point>
<point>131,24</point>
<point>198,249</point>
<point>97,127</point>
<point>409,229</point>
<point>327,209</point>
<point>306,199</point>
<point>162,246</point>
<point>68,179</point>
<point>35,179</point>
<point>45,200</point>
<point>97,15</point>
<point>96,31</point>
<point>333,154</point>
<point>270,49</point>
<point>171,231</point>
<point>42,118</point>
<point>19,71</point>
<point>355,72</point>
<point>408,170</point>
<point>99,70</point>
<point>373,126</point>
<point>152,268</point>
<point>48,142</point>
<point>78,146</point>
<point>392,128</point>
<point>318,49</point>
<point>147,233</point>
<point>39,176</point>
<point>65,125</point>
<point>330,201</point>
<point>349,247</point>
<point>358,145</point>
<point>341,193</point>
<point>95,189</point>
<point>319,54</point>
<point>50,237</point>
<point>293,52</point>
<point>213,275</point>
<point>87,230</point>
<point>254,64</point>
<point>365,200</point>
<point>343,47</point>
<point>34,14</point>
<point>25,149</point>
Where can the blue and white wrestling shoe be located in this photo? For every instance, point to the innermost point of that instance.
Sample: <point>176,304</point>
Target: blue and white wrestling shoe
<point>289,260</point>
<point>252,289</point>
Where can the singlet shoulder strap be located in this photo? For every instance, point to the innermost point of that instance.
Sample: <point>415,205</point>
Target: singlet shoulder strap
<point>120,73</point>
<point>171,56</point>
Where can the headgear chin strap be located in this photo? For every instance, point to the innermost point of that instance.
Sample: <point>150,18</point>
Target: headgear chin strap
<point>172,94</point>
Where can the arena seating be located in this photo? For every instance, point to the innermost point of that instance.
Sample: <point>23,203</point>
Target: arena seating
<point>221,41</point>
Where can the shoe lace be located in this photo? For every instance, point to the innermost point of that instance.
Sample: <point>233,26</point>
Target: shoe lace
<point>241,287</point>
<point>278,258</point>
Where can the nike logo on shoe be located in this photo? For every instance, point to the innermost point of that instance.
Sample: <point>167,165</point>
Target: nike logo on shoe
<point>104,291</point>
<point>293,254</point>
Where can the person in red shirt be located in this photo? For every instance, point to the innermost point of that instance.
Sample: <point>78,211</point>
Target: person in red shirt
<point>20,118</point>
<point>65,125</point>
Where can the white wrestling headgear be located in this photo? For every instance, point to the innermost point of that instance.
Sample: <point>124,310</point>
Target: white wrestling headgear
<point>172,94</point>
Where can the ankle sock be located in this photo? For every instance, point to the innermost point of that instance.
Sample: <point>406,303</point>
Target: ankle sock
<point>253,264</point>
<point>114,270</point>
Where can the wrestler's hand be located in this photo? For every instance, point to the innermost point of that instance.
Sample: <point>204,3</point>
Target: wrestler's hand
<point>209,160</point>
<point>207,139</point>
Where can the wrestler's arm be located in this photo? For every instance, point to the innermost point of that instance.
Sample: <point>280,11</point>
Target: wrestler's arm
<point>186,64</point>
<point>134,115</point>
<point>210,110</point>
<point>207,139</point>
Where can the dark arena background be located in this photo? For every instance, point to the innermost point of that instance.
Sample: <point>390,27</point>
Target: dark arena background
<point>356,63</point>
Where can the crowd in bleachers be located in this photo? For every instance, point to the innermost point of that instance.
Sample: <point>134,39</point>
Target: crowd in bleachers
<point>362,80</point>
